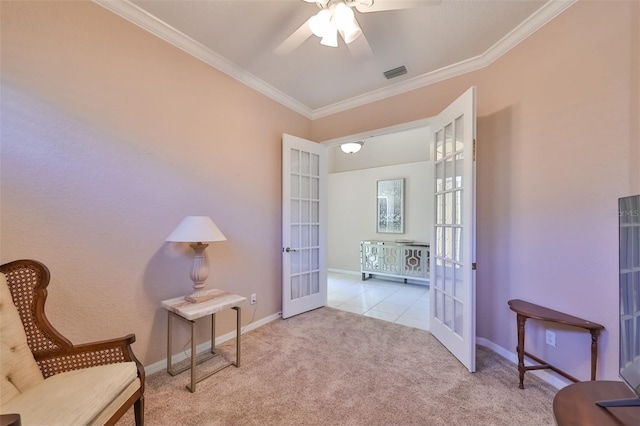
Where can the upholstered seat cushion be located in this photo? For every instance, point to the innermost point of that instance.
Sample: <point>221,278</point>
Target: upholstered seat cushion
<point>18,369</point>
<point>76,397</point>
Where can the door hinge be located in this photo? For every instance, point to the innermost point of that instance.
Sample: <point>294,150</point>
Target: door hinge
<point>474,150</point>
<point>474,266</point>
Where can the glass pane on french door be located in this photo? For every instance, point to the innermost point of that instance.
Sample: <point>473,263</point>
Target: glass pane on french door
<point>305,224</point>
<point>449,186</point>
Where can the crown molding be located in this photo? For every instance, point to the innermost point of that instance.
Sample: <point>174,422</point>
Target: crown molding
<point>540,18</point>
<point>141,18</point>
<point>423,122</point>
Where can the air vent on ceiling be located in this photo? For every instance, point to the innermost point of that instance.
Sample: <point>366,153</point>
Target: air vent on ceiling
<point>395,72</point>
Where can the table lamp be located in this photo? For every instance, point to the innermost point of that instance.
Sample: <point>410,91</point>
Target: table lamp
<point>197,230</point>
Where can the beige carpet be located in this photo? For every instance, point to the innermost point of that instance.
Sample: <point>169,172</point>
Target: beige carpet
<point>330,367</point>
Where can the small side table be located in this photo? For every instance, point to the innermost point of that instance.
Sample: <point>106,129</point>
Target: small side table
<point>190,312</point>
<point>526,310</point>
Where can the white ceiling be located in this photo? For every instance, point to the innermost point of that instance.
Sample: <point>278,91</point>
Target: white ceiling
<point>402,147</point>
<point>436,40</point>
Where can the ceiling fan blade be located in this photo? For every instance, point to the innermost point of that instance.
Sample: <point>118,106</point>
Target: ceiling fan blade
<point>294,41</point>
<point>360,48</point>
<point>365,6</point>
<point>351,32</point>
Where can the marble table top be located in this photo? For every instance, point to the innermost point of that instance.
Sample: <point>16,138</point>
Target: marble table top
<point>188,310</point>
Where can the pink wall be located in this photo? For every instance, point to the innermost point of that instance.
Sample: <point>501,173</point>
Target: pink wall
<point>558,144</point>
<point>110,136</point>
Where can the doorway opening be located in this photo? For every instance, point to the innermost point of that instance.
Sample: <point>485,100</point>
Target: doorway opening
<point>451,262</point>
<point>353,217</point>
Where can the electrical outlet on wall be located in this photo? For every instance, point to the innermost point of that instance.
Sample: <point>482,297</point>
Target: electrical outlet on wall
<point>253,299</point>
<point>550,338</point>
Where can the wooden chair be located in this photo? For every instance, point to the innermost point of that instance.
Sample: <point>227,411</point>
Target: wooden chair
<point>54,354</point>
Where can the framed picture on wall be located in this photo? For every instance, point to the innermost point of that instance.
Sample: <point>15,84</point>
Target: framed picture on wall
<point>390,206</point>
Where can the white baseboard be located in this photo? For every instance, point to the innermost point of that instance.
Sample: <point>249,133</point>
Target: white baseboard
<point>382,277</point>
<point>162,364</point>
<point>344,271</point>
<point>554,380</point>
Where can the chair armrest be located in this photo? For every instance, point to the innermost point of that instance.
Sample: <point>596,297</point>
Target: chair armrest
<point>89,355</point>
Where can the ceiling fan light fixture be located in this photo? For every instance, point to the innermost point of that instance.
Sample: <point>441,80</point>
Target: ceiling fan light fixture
<point>342,16</point>
<point>351,147</point>
<point>320,24</point>
<point>330,38</point>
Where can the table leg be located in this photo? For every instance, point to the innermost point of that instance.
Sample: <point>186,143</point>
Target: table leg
<point>169,325</point>
<point>193,358</point>
<point>594,352</point>
<point>238,332</point>
<point>213,333</point>
<point>521,320</point>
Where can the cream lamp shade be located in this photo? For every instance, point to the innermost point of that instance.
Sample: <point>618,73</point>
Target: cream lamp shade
<point>197,230</point>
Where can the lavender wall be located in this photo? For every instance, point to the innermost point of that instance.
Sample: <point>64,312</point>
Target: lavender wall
<point>557,145</point>
<point>110,137</point>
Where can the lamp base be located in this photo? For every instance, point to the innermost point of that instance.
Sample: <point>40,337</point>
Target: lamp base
<point>204,295</point>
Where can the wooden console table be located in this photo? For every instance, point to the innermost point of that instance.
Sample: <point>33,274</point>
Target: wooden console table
<point>576,405</point>
<point>529,310</point>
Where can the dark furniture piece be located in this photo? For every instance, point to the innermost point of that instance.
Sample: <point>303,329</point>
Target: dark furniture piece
<point>27,281</point>
<point>526,310</point>
<point>10,420</point>
<point>576,405</point>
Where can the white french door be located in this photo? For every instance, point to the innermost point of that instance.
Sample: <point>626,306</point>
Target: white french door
<point>304,225</point>
<point>453,297</point>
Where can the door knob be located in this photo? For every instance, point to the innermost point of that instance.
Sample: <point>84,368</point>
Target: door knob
<point>289,250</point>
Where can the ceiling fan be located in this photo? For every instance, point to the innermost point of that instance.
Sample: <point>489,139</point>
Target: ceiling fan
<point>337,17</point>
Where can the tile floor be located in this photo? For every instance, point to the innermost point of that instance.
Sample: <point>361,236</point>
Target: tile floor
<point>393,301</point>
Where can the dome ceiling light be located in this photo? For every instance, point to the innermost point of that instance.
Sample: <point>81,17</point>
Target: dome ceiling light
<point>351,147</point>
